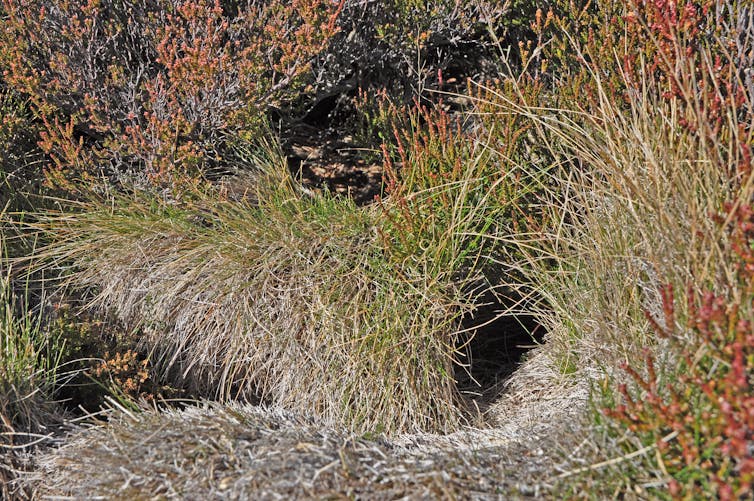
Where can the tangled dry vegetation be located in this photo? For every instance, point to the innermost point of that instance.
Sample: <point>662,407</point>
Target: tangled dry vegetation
<point>576,177</point>
<point>289,301</point>
<point>235,452</point>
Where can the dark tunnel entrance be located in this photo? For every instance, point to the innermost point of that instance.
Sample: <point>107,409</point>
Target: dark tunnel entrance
<point>491,348</point>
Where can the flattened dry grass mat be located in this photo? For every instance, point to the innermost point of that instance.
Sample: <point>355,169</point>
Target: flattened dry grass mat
<point>245,452</point>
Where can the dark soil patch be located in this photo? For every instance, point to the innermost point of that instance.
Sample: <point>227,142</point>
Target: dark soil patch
<point>494,347</point>
<point>324,158</point>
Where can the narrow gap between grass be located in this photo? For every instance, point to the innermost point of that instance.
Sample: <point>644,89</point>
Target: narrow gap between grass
<point>493,347</point>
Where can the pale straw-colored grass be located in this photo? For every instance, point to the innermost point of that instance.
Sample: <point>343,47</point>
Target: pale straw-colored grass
<point>628,210</point>
<point>293,300</point>
<point>245,452</point>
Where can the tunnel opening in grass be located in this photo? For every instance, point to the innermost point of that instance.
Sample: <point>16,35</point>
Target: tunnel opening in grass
<point>490,349</point>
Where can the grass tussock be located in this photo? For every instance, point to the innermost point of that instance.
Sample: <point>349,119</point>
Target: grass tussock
<point>631,215</point>
<point>308,303</point>
<point>653,163</point>
<point>29,368</point>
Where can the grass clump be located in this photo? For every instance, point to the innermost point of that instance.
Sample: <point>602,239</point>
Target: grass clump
<point>632,213</point>
<point>309,303</point>
<point>650,146</point>
<point>29,361</point>
<point>29,369</point>
<point>240,451</point>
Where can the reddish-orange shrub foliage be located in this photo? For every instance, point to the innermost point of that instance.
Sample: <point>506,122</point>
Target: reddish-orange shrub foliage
<point>127,372</point>
<point>709,410</point>
<point>692,53</point>
<point>696,52</point>
<point>156,87</point>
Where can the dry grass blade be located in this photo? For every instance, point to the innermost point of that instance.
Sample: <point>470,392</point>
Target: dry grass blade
<point>618,460</point>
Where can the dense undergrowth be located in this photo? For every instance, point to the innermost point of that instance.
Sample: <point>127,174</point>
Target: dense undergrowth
<point>585,164</point>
